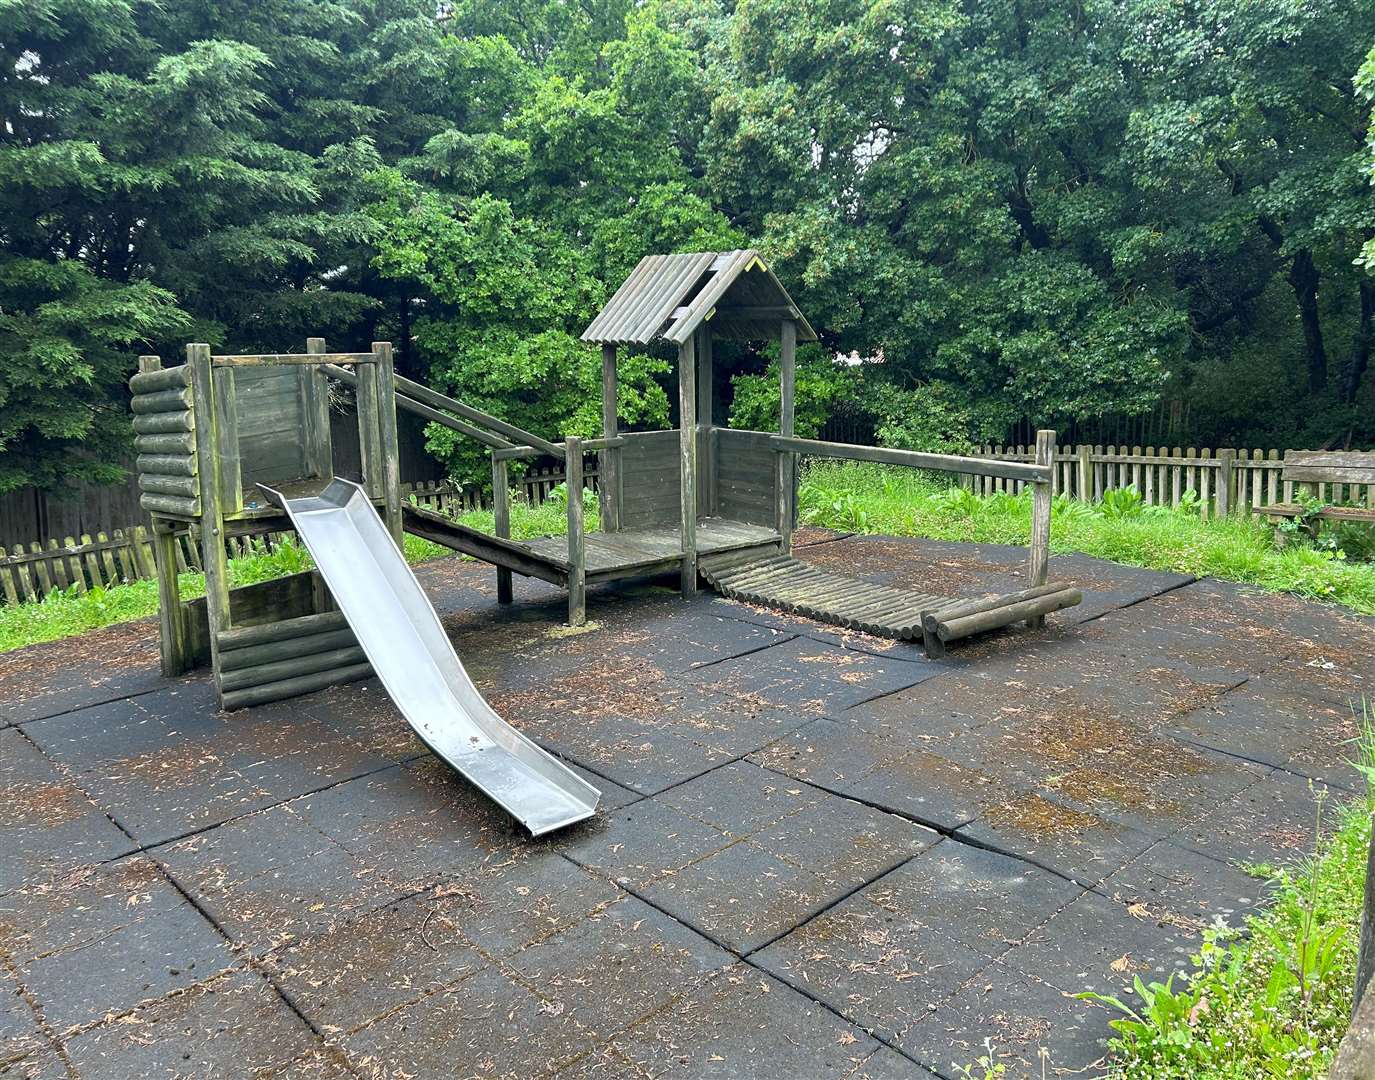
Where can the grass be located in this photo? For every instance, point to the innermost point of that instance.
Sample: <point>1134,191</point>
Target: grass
<point>1272,999</point>
<point>63,613</point>
<point>879,499</point>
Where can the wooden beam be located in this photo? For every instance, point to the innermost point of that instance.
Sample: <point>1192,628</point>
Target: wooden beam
<point>314,390</point>
<point>609,464</point>
<point>214,562</point>
<point>389,442</point>
<point>486,438</point>
<point>706,462</point>
<point>501,521</point>
<point>687,443</point>
<point>274,359</point>
<point>369,430</point>
<point>1011,470</point>
<point>577,542</point>
<point>172,634</point>
<point>420,392</point>
<point>786,465</point>
<point>1038,563</point>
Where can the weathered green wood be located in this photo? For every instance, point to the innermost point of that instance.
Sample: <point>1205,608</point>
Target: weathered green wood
<point>609,465</point>
<point>787,462</point>
<point>142,550</point>
<point>279,359</point>
<point>106,556</point>
<point>285,629</point>
<point>706,458</point>
<point>369,430</point>
<point>687,449</point>
<point>242,678</point>
<point>59,564</point>
<point>163,422</point>
<point>163,401</point>
<point>214,564</point>
<point>1038,561</point>
<point>159,378</point>
<point>1329,466</point>
<point>289,688</point>
<point>170,505</point>
<point>40,570</point>
<point>172,638</point>
<point>287,649</point>
<point>577,550</point>
<point>389,443</point>
<point>423,393</point>
<point>314,391</point>
<point>77,574</point>
<point>179,442</point>
<point>184,487</point>
<point>166,464</point>
<point>993,618</point>
<point>1009,470</point>
<point>501,522</point>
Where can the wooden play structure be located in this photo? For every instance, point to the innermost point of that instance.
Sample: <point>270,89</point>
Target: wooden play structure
<point>223,441</point>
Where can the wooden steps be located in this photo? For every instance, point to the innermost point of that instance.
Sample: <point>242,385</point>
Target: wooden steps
<point>791,585</point>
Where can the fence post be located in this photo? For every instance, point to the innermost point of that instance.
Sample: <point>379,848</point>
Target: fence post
<point>577,549</point>
<point>1226,481</point>
<point>501,522</point>
<point>1085,479</point>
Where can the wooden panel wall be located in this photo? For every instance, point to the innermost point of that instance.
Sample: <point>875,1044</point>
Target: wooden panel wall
<point>649,469</point>
<point>271,424</point>
<point>745,476</point>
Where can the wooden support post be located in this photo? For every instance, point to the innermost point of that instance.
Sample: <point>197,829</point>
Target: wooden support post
<point>577,545</point>
<point>609,478</point>
<point>786,479</point>
<point>1085,478</point>
<point>319,452</point>
<point>706,457</point>
<point>389,443</point>
<point>687,442</point>
<point>501,522</point>
<point>315,412</point>
<point>1038,566</point>
<point>214,563</point>
<point>1226,482</point>
<point>369,430</point>
<point>173,645</point>
<point>230,475</point>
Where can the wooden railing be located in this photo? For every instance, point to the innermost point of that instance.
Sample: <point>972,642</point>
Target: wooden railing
<point>30,572</point>
<point>1039,472</point>
<point>1225,481</point>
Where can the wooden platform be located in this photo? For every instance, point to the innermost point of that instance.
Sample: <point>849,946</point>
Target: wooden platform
<point>785,583</point>
<point>629,553</point>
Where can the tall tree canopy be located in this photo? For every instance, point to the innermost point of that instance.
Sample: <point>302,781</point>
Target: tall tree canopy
<point>1020,210</point>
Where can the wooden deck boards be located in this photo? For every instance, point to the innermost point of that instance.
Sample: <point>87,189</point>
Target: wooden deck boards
<point>785,583</point>
<point>651,545</point>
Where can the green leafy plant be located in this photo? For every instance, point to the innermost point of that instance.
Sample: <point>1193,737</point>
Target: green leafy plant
<point>1124,502</point>
<point>956,500</point>
<point>984,1067</point>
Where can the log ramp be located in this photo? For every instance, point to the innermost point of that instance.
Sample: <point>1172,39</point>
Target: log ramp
<point>793,586</point>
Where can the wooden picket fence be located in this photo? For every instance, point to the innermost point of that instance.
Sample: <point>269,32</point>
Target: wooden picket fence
<point>1225,481</point>
<point>79,564</point>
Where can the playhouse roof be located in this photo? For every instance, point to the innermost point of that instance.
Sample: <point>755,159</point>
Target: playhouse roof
<point>669,296</point>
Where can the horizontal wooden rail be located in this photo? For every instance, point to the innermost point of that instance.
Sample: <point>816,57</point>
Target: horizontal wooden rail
<point>265,359</point>
<point>419,392</point>
<point>1009,470</point>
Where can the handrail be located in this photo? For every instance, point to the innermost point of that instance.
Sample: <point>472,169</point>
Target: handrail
<point>1010,470</point>
<point>409,388</point>
<point>433,415</point>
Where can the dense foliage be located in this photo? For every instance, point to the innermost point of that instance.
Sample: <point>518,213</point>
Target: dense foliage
<point>1043,210</point>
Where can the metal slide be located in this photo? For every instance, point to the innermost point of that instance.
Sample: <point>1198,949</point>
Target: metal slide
<point>401,634</point>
